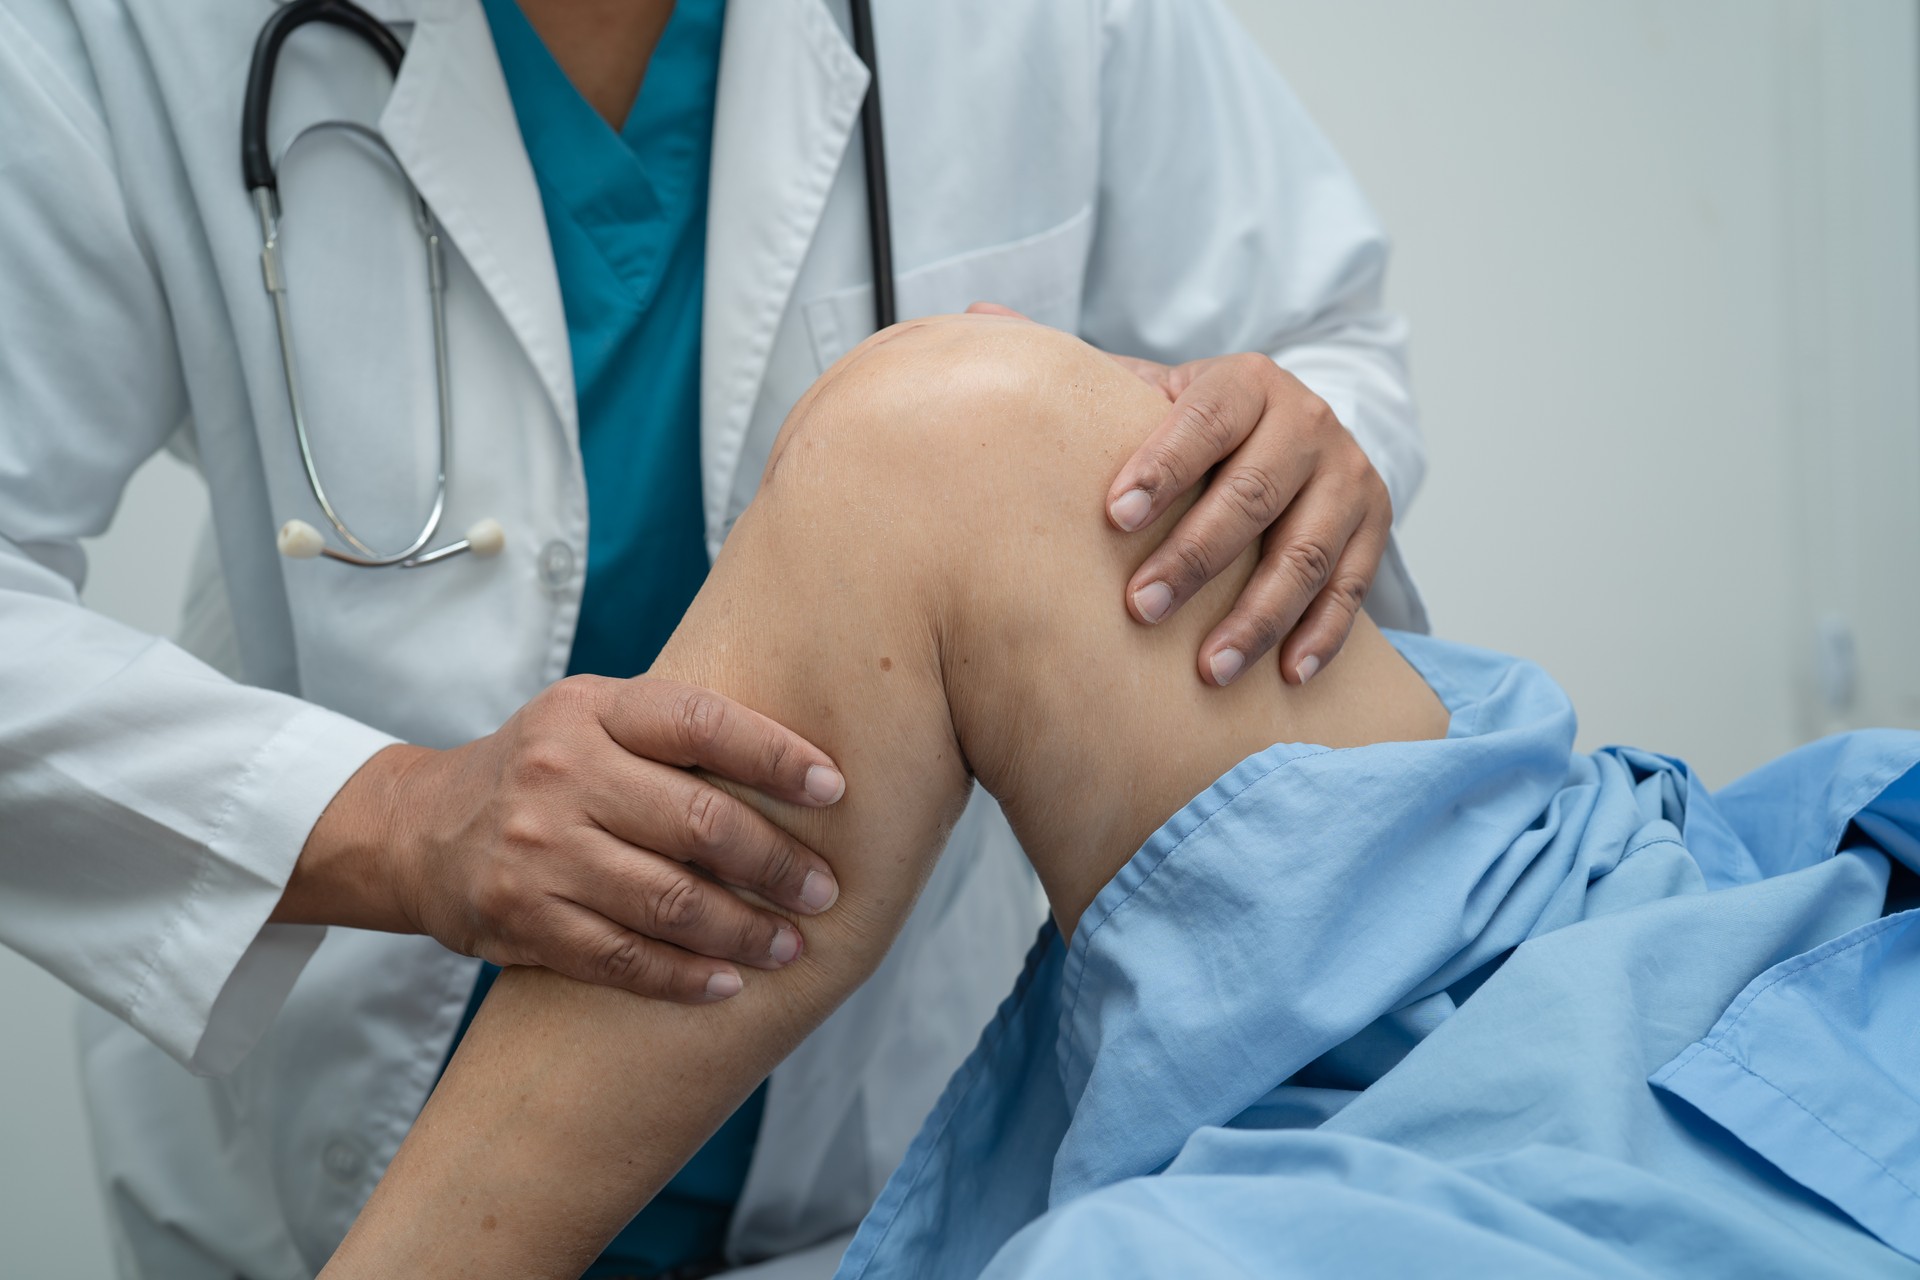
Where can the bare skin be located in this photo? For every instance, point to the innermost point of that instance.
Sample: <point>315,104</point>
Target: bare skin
<point>955,622</point>
<point>603,46</point>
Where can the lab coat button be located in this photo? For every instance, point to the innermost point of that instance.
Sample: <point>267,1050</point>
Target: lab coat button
<point>556,563</point>
<point>342,1160</point>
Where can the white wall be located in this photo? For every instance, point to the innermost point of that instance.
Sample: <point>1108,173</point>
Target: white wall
<point>1660,261</point>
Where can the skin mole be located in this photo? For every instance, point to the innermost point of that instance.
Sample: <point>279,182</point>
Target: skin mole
<point>886,664</point>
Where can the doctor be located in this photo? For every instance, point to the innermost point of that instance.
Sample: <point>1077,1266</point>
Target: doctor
<point>655,241</point>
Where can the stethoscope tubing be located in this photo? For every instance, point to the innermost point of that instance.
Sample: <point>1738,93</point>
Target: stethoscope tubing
<point>259,169</point>
<point>873,152</point>
<point>266,204</point>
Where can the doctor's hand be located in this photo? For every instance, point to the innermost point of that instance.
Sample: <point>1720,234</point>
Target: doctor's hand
<point>1290,475</point>
<point>1286,473</point>
<point>575,838</point>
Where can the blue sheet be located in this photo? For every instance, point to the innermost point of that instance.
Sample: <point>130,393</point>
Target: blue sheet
<point>1480,1006</point>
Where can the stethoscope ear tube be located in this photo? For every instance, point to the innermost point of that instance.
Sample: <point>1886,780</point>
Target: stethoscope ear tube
<point>299,540</point>
<point>256,162</point>
<point>873,153</point>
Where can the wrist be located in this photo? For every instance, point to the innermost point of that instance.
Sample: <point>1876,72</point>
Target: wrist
<point>348,872</point>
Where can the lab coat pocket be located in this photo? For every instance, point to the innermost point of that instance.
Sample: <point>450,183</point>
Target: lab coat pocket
<point>1040,275</point>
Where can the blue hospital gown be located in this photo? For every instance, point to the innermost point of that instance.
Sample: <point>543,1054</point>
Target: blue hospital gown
<point>1480,1006</point>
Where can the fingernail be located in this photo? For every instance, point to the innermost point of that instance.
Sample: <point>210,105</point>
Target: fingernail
<point>723,985</point>
<point>1130,509</point>
<point>785,948</point>
<point>1153,600</point>
<point>818,891</point>
<point>1226,665</point>
<point>1308,665</point>
<point>825,784</point>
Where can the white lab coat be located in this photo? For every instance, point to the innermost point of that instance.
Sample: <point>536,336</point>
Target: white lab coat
<point>1128,169</point>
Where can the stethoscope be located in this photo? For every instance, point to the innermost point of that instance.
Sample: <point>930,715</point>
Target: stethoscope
<point>299,539</point>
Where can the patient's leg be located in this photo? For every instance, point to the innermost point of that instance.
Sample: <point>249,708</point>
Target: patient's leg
<point>927,588</point>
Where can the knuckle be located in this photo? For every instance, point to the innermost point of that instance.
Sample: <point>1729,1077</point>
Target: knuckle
<point>754,937</point>
<point>699,718</point>
<point>1165,465</point>
<point>571,697</point>
<point>1316,410</point>
<point>779,751</point>
<point>706,819</point>
<point>1192,567</point>
<point>1371,481</point>
<point>1307,562</point>
<point>782,866</point>
<point>1254,365</point>
<point>1206,421</point>
<point>496,895</point>
<point>522,831</point>
<point>678,907</point>
<point>1353,465</point>
<point>1347,592</point>
<point>543,760</point>
<point>622,961</point>
<point>1254,493</point>
<point>1262,632</point>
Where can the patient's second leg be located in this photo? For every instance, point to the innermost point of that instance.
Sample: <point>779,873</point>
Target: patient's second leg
<point>927,588</point>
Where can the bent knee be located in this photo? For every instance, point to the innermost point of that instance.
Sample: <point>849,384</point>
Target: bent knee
<point>968,408</point>
<point>961,357</point>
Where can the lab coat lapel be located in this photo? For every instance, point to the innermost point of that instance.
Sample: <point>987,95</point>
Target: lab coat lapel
<point>451,123</point>
<point>790,90</point>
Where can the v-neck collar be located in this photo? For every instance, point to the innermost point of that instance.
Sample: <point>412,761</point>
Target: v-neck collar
<point>623,188</point>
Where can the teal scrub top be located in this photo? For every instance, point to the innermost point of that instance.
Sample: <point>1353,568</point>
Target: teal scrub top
<point>626,213</point>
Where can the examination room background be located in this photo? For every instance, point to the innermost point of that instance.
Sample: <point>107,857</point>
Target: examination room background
<point>1662,261</point>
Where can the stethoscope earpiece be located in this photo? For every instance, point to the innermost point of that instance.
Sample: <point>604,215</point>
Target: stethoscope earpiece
<point>299,540</point>
<point>486,538</point>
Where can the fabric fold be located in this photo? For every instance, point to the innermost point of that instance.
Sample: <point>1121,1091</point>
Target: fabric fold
<point>1473,952</point>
